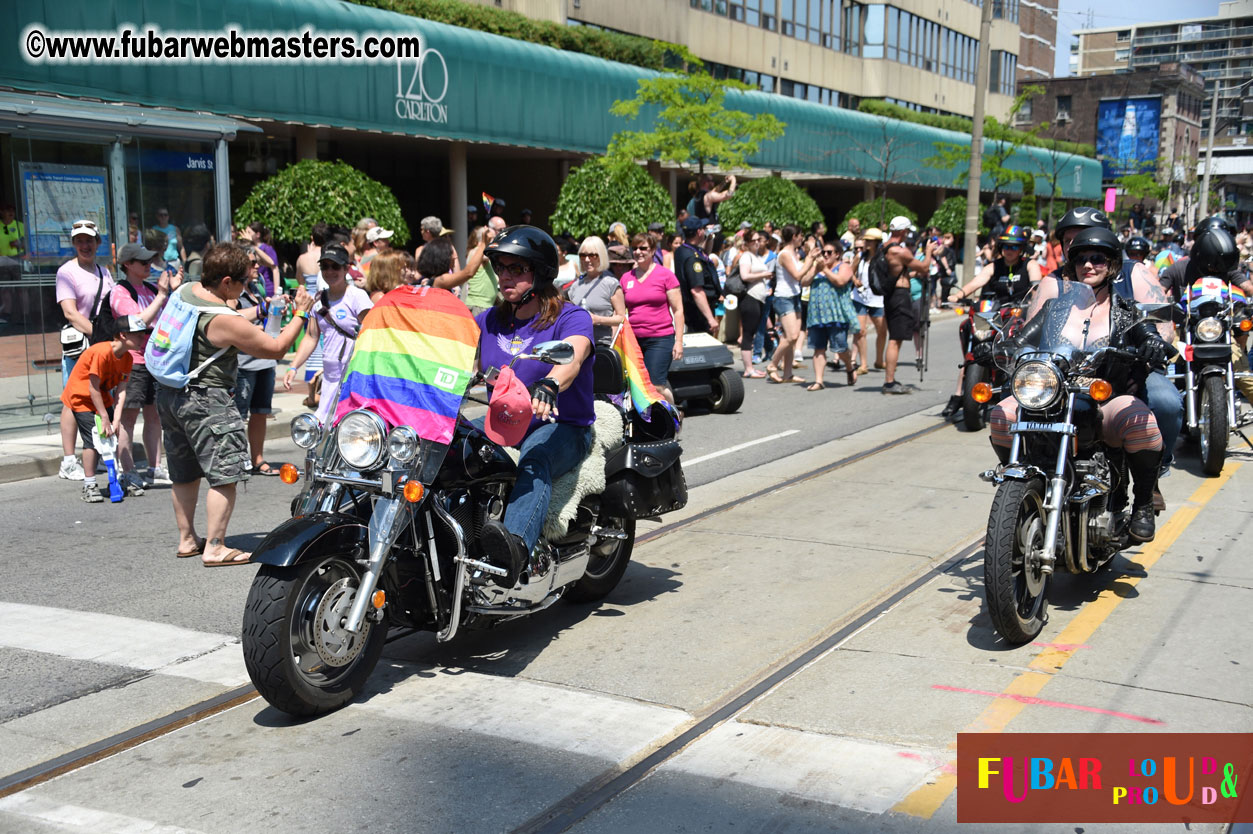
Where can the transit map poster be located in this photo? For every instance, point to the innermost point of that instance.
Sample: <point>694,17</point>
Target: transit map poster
<point>1128,135</point>
<point>53,197</point>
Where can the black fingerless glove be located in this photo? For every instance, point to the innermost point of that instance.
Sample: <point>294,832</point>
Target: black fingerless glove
<point>545,390</point>
<point>1153,352</point>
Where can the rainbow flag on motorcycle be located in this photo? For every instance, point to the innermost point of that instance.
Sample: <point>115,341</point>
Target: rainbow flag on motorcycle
<point>642,394</point>
<point>413,361</point>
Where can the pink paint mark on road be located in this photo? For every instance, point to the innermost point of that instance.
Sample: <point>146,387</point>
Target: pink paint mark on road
<point>1063,647</point>
<point>949,768</point>
<point>1040,702</point>
<point>905,755</point>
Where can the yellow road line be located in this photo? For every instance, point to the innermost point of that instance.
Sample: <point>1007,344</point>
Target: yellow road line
<point>926,800</point>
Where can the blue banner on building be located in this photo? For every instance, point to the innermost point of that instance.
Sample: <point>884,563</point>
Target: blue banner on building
<point>1128,135</point>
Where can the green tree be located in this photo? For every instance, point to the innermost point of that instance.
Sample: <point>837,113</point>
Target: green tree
<point>876,213</point>
<point>1001,142</point>
<point>602,191</point>
<point>773,199</point>
<point>298,196</point>
<point>950,217</point>
<point>692,127</point>
<point>1028,214</point>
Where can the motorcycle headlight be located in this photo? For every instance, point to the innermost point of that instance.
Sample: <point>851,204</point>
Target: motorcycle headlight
<point>402,444</point>
<point>306,431</point>
<point>1036,384</point>
<point>360,438</point>
<point>1209,329</point>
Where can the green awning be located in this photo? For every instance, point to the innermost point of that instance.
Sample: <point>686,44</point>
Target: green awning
<point>469,86</point>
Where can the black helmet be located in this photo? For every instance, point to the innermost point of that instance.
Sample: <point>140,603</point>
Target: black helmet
<point>1082,217</point>
<point>1014,235</point>
<point>1103,240</point>
<point>529,243</point>
<point>1214,221</point>
<point>1214,251</point>
<point>1139,246</point>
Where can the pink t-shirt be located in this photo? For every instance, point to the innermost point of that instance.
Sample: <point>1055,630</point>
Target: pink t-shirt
<point>648,309</point>
<point>123,305</point>
<point>74,282</point>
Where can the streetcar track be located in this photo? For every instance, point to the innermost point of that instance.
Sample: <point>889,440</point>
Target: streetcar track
<point>602,789</point>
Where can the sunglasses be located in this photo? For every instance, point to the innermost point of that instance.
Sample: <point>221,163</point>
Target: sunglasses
<point>325,265</point>
<point>514,270</point>
<point>589,255</point>
<point>1007,248</point>
<point>828,251</point>
<point>642,249</point>
<point>1094,258</point>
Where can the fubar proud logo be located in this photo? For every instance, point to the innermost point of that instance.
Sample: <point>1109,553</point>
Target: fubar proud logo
<point>1104,777</point>
<point>421,85</point>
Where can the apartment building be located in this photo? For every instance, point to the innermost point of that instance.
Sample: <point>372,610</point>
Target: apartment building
<point>923,55</point>
<point>1037,39</point>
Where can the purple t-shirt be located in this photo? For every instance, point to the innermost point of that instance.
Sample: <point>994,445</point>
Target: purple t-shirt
<point>264,271</point>
<point>499,344</point>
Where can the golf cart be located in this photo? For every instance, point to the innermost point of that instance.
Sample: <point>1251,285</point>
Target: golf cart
<point>706,374</point>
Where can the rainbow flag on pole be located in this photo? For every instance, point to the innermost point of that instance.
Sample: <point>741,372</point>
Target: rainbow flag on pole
<point>642,393</point>
<point>488,199</point>
<point>413,360</point>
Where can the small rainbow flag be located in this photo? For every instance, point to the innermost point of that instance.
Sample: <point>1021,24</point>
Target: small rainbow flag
<point>413,360</point>
<point>643,394</point>
<point>488,199</point>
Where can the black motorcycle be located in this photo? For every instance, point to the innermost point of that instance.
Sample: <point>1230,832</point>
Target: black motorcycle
<point>988,323</point>
<point>1211,314</point>
<point>386,534</point>
<point>1062,498</point>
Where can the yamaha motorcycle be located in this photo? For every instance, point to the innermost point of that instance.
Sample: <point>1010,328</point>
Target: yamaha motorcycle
<point>385,533</point>
<point>1212,313</point>
<point>1062,499</point>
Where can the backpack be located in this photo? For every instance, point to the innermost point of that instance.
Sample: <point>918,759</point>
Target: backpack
<point>168,355</point>
<point>881,279</point>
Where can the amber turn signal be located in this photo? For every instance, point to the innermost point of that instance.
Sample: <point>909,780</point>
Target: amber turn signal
<point>288,473</point>
<point>378,599</point>
<point>1246,325</point>
<point>414,491</point>
<point>981,393</point>
<point>1100,390</point>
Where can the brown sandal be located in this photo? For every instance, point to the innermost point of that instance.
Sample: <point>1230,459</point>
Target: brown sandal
<point>815,386</point>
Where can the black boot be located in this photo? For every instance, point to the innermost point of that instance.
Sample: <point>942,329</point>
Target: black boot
<point>503,550</point>
<point>1142,466</point>
<point>954,406</point>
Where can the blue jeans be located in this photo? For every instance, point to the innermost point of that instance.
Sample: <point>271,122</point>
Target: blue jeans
<point>658,353</point>
<point>67,367</point>
<point>1166,403</point>
<point>548,452</point>
<point>759,341</point>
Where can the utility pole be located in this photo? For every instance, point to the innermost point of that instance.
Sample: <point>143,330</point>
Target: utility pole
<point>976,143</point>
<point>1209,151</point>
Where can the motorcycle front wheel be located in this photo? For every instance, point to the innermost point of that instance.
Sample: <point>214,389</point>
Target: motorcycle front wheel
<point>610,557</point>
<point>1013,583</point>
<point>298,654</point>
<point>1212,427</point>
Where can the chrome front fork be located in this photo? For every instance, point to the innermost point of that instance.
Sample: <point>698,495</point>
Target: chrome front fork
<point>390,516</point>
<point>1055,496</point>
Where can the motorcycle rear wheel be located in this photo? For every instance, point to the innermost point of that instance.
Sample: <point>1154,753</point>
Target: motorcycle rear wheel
<point>1016,591</point>
<point>1212,427</point>
<point>972,412</point>
<point>608,563</point>
<point>299,657</point>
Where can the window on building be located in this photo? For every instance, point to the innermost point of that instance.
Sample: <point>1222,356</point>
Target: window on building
<point>1122,55</point>
<point>1024,114</point>
<point>1063,108</point>
<point>1124,35</point>
<point>872,38</point>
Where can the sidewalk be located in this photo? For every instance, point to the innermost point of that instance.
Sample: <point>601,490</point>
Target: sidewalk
<point>37,453</point>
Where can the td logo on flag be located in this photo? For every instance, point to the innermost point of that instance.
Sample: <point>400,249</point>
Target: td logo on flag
<point>446,378</point>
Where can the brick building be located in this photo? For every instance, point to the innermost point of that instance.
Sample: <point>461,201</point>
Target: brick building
<point>1037,38</point>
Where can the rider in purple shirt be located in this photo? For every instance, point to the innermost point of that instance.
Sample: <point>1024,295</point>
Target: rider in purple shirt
<point>531,310</point>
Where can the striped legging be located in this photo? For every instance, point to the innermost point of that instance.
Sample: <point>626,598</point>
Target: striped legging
<point>1126,423</point>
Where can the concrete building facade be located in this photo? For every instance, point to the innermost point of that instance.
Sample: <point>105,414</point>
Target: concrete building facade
<point>1037,39</point>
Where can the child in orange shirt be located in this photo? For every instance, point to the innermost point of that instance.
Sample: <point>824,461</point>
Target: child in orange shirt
<point>100,370</point>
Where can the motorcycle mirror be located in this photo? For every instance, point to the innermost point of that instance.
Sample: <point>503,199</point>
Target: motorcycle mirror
<point>552,353</point>
<point>983,323</point>
<point>1156,312</point>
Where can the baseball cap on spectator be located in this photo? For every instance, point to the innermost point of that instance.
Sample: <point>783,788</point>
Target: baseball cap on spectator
<point>526,211</point>
<point>84,227</point>
<point>472,208</point>
<point>745,226</point>
<point>130,324</point>
<point>498,202</point>
<point>334,252</point>
<point>1038,233</point>
<point>509,411</point>
<point>656,227</point>
<point>618,254</point>
<point>899,223</point>
<point>134,252</point>
<point>871,234</point>
<point>691,224</point>
<point>378,233</point>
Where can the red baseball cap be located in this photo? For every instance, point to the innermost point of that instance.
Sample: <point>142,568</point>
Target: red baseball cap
<point>509,413</point>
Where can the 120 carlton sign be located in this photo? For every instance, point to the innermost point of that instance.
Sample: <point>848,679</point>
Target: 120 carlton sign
<point>421,84</point>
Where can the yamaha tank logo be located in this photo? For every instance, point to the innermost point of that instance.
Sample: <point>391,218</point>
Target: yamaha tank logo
<point>421,85</point>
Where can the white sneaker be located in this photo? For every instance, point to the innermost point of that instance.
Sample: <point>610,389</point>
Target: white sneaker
<point>71,470</point>
<point>159,475</point>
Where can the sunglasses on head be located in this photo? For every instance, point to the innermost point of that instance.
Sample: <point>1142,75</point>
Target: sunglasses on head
<point>1094,258</point>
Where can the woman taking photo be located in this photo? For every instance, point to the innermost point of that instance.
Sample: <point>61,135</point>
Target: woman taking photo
<point>791,272</point>
<point>753,272</point>
<point>655,310</point>
<point>598,291</point>
<point>831,314</point>
<point>868,305</point>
